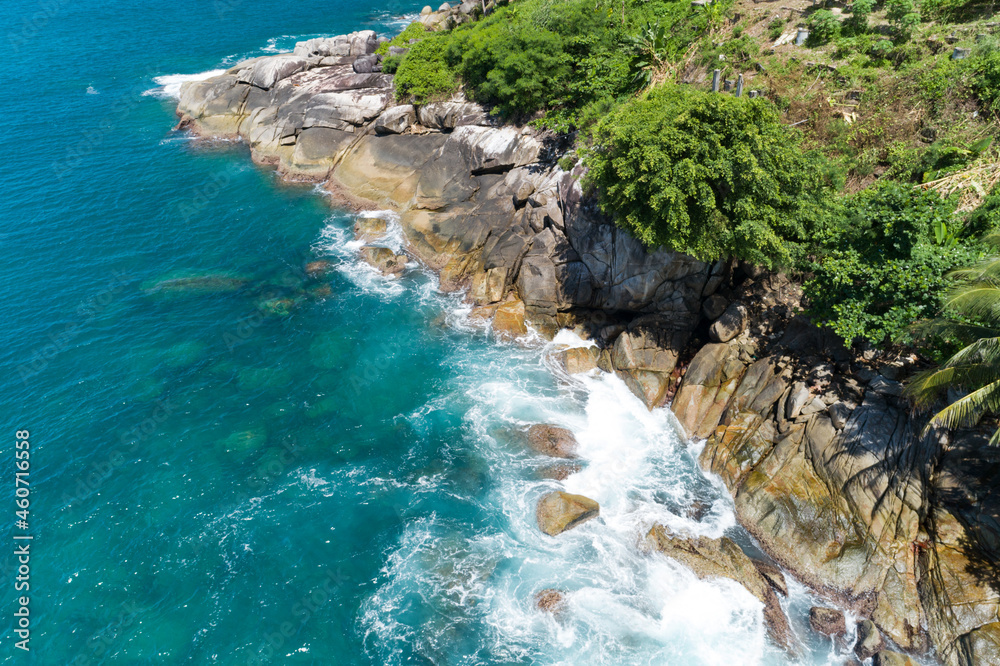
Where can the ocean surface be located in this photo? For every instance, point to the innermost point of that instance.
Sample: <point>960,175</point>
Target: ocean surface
<point>236,462</point>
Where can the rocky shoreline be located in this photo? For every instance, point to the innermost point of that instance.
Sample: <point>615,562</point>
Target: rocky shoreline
<point>820,452</point>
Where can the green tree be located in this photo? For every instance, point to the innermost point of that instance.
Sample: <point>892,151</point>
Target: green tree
<point>885,264</point>
<point>903,15</point>
<point>974,319</point>
<point>707,174</point>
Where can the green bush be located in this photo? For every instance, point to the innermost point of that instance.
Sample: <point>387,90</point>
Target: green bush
<point>857,22</point>
<point>823,27</point>
<point>985,66</point>
<point>707,174</point>
<point>424,74</point>
<point>884,266</point>
<point>903,15</point>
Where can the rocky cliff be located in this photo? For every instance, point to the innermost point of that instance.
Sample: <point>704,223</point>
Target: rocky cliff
<point>826,465</point>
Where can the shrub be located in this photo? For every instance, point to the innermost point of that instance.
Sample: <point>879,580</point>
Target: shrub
<point>884,266</point>
<point>823,27</point>
<point>424,75</point>
<point>707,174</point>
<point>985,66</point>
<point>857,22</point>
<point>903,15</point>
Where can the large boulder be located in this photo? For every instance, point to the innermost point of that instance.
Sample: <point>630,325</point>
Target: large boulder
<point>722,558</point>
<point>384,259</point>
<point>578,360</point>
<point>869,642</point>
<point>508,320</point>
<point>396,120</point>
<point>559,511</point>
<point>266,72</point>
<point>732,322</point>
<point>449,115</point>
<point>646,354</point>
<point>710,381</point>
<point>827,621</point>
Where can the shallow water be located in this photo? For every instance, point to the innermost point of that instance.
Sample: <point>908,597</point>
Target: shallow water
<point>235,462</point>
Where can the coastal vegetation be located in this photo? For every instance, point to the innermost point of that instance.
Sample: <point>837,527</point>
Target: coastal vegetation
<point>862,169</point>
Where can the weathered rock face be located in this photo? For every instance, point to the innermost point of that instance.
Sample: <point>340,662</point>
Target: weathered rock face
<point>838,485</point>
<point>579,359</point>
<point>478,203</point>
<point>722,558</point>
<point>559,511</point>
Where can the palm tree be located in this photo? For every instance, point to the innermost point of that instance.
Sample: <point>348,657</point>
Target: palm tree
<point>974,319</point>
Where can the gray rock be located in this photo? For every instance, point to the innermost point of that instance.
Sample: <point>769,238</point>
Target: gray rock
<point>398,51</point>
<point>814,406</point>
<point>714,306</point>
<point>839,413</point>
<point>732,322</point>
<point>367,64</point>
<point>449,115</point>
<point>886,387</point>
<point>797,399</point>
<point>396,120</point>
<point>524,190</point>
<point>469,8</point>
<point>426,10</point>
<point>266,72</point>
<point>445,7</point>
<point>869,641</point>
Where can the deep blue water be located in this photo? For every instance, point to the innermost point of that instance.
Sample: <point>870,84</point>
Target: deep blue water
<point>235,462</point>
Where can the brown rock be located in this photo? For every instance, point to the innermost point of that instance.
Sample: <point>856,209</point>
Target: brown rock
<point>708,384</point>
<point>551,601</point>
<point>887,658</point>
<point>559,511</point>
<point>722,558</point>
<point>370,228</point>
<point>774,576</point>
<point>579,359</point>
<point>384,259</point>
<point>869,642</point>
<point>552,441</point>
<point>827,621</point>
<point>646,354</point>
<point>488,287</point>
<point>508,321</point>
<point>732,322</point>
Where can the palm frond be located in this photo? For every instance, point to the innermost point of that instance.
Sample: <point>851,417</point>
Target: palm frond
<point>967,410</point>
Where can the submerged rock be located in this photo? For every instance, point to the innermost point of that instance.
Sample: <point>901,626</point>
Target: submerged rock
<point>552,441</point>
<point>558,471</point>
<point>218,283</point>
<point>559,511</point>
<point>384,259</point>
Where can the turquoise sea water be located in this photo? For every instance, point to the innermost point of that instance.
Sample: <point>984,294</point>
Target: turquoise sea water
<point>236,462</point>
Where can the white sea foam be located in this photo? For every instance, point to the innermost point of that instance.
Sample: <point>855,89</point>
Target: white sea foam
<point>170,85</point>
<point>91,90</point>
<point>337,242</point>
